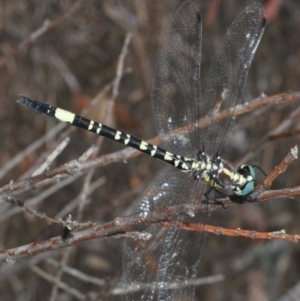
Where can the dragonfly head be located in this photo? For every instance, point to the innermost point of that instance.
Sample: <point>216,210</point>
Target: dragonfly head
<point>247,180</point>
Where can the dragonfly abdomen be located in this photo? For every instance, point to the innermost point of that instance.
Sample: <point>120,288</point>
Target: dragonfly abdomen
<point>154,151</point>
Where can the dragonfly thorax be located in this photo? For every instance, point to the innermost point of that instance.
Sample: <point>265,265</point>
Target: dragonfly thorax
<point>208,169</point>
<point>212,170</point>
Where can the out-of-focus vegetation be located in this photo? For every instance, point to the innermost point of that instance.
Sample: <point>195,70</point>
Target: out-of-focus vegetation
<point>69,65</point>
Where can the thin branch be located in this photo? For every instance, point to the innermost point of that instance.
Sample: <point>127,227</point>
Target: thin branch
<point>35,213</point>
<point>172,285</point>
<point>55,153</point>
<point>72,225</point>
<point>277,133</point>
<point>78,274</point>
<point>281,234</point>
<point>121,225</point>
<point>39,198</point>
<point>70,290</point>
<point>281,168</point>
<point>46,26</point>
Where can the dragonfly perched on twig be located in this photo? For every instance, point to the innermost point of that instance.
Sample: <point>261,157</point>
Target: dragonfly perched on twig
<point>164,267</point>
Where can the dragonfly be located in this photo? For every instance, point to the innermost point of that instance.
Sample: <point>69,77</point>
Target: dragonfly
<point>164,267</point>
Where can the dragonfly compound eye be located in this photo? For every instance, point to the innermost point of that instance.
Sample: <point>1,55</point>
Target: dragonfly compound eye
<point>247,180</point>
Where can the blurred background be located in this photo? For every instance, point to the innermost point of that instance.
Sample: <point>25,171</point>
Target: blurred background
<point>72,64</point>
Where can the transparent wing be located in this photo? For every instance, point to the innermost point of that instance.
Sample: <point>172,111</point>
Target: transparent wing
<point>175,93</point>
<point>228,73</point>
<point>164,267</point>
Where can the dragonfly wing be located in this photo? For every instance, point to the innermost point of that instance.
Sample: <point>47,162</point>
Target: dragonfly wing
<point>228,73</point>
<point>176,83</point>
<point>164,266</point>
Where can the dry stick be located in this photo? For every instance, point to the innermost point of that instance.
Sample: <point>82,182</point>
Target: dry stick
<point>74,166</point>
<point>88,178</point>
<point>52,132</point>
<point>236,232</point>
<point>52,156</point>
<point>78,274</point>
<point>70,167</point>
<point>138,45</point>
<point>281,168</point>
<point>48,219</point>
<point>46,193</point>
<point>57,179</point>
<point>276,133</point>
<point>292,294</point>
<point>73,204</point>
<point>121,225</point>
<point>56,280</point>
<point>65,287</point>
<point>45,156</point>
<point>35,213</point>
<point>238,110</point>
<point>31,148</point>
<point>168,285</point>
<point>49,135</point>
<point>115,92</point>
<point>69,226</point>
<point>46,26</point>
<point>38,198</point>
<point>93,186</point>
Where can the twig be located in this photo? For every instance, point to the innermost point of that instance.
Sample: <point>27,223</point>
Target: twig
<point>121,225</point>
<point>281,168</point>
<point>172,285</point>
<point>281,234</point>
<point>277,133</point>
<point>35,213</point>
<point>39,198</point>
<point>78,274</point>
<point>72,291</point>
<point>46,26</point>
<point>59,148</point>
<point>115,89</point>
<point>31,148</point>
